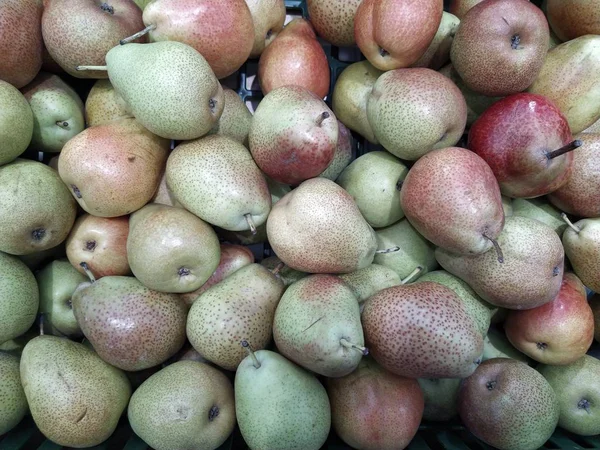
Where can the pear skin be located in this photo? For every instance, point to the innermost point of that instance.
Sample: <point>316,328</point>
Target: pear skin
<point>582,246</point>
<point>14,403</point>
<point>16,122</point>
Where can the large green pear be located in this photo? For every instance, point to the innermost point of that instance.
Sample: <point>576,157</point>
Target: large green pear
<point>16,123</point>
<point>14,403</point>
<point>540,209</point>
<point>370,280</point>
<point>279,405</point>
<point>75,398</point>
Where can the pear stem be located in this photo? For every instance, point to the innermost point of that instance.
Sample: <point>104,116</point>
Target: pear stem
<point>250,223</point>
<point>363,350</point>
<point>80,68</point>
<point>412,275</point>
<point>324,115</point>
<point>62,123</point>
<point>496,247</point>
<point>571,224</point>
<point>278,268</point>
<point>566,149</point>
<point>246,345</point>
<point>87,271</point>
<point>41,324</point>
<point>138,35</point>
<point>388,250</point>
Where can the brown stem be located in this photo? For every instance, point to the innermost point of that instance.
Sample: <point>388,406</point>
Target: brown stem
<point>496,247</point>
<point>566,149</point>
<point>324,115</point>
<point>138,35</point>
<point>81,68</point>
<point>246,345</point>
<point>571,224</point>
<point>87,271</point>
<point>363,350</point>
<point>388,250</point>
<point>278,268</point>
<point>250,223</point>
<point>412,275</point>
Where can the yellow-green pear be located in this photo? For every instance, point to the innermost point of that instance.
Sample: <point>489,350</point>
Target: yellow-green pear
<point>438,52</point>
<point>16,123</point>
<point>581,241</point>
<point>103,104</point>
<point>540,209</point>
<point>370,280</point>
<point>497,345</point>
<point>14,403</point>
<point>236,118</point>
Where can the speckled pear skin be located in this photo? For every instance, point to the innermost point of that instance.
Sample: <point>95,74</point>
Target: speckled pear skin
<point>236,118</point>
<point>508,405</point>
<point>422,330</point>
<point>268,17</point>
<point>36,209</point>
<point>345,152</point>
<point>75,398</point>
<point>455,208</point>
<point>13,403</point>
<point>370,280</point>
<point>571,19</point>
<point>103,104</point>
<point>317,228</point>
<point>280,406</point>
<point>414,111</point>
<point>314,314</point>
<point>241,306</point>
<point>530,275</point>
<point>541,209</point>
<point>16,123</point>
<point>216,179</point>
<point>334,20</point>
<point>583,251</point>
<point>169,87</point>
<point>188,404</point>
<point>130,326</point>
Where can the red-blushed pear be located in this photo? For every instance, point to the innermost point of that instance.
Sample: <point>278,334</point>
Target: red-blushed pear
<point>373,409</point>
<point>268,17</point>
<point>460,7</point>
<point>557,333</point>
<point>293,135</point>
<point>579,195</point>
<point>295,57</point>
<point>459,209</point>
<point>571,19</point>
<point>20,41</point>
<point>82,32</point>
<point>223,32</point>
<point>334,20</point>
<point>527,142</point>
<point>395,33</point>
<point>100,243</point>
<point>500,46</point>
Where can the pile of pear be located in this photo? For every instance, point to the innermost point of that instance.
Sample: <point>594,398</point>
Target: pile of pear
<point>435,277</point>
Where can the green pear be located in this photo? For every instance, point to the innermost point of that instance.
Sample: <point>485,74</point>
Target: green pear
<point>130,326</point>
<point>75,398</point>
<point>317,325</point>
<point>438,52</point>
<point>374,181</point>
<point>581,241</point>
<point>188,404</point>
<point>236,118</point>
<point>241,306</point>
<point>540,209</point>
<point>285,273</point>
<point>142,3</point>
<point>216,179</point>
<point>16,123</point>
<point>169,87</point>
<point>479,310</point>
<point>350,95</point>
<point>568,80</point>
<point>57,282</point>
<point>441,398</point>
<point>57,112</point>
<point>414,251</point>
<point>507,206</point>
<point>577,386</point>
<point>345,151</point>
<point>497,345</point>
<point>530,274</point>
<point>594,128</point>
<point>103,104</point>
<point>19,297</point>
<point>14,404</point>
<point>370,280</point>
<point>279,405</point>
<point>171,250</point>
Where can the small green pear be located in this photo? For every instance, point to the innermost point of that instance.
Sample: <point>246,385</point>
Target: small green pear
<point>14,403</point>
<point>497,345</point>
<point>16,123</point>
<point>236,118</point>
<point>370,280</point>
<point>540,209</point>
<point>441,398</point>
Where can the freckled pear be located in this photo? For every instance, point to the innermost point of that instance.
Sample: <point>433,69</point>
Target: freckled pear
<point>453,199</point>
<point>317,228</point>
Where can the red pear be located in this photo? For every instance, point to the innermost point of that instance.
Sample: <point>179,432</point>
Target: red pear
<point>571,19</point>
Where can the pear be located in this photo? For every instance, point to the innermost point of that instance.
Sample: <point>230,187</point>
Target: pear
<point>345,152</point>
<point>130,326</point>
<point>350,96</point>
<point>317,228</point>
<point>594,128</point>
<point>16,123</point>
<point>370,280</point>
<point>187,404</point>
<point>497,345</point>
<point>530,275</point>
<point>36,209</point>
<point>374,181</point>
<point>57,281</point>
<point>169,87</point>
<point>571,19</point>
<point>412,252</point>
<point>75,398</point>
<point>595,305</point>
<point>240,199</point>
<point>581,241</point>
<point>334,20</point>
<point>461,7</point>
<point>285,273</point>
<point>57,112</point>
<point>279,405</point>
<point>14,404</point>
<point>479,310</point>
<point>137,161</point>
<point>438,52</point>
<point>577,386</point>
<point>268,17</point>
<point>236,118</point>
<point>171,250</point>
<point>507,206</point>
<point>430,107</point>
<point>540,209</point>
<point>566,80</point>
<point>317,325</point>
<point>103,104</point>
<point>522,404</point>
<point>422,330</point>
<point>441,398</point>
<point>241,306</point>
<point>459,209</point>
